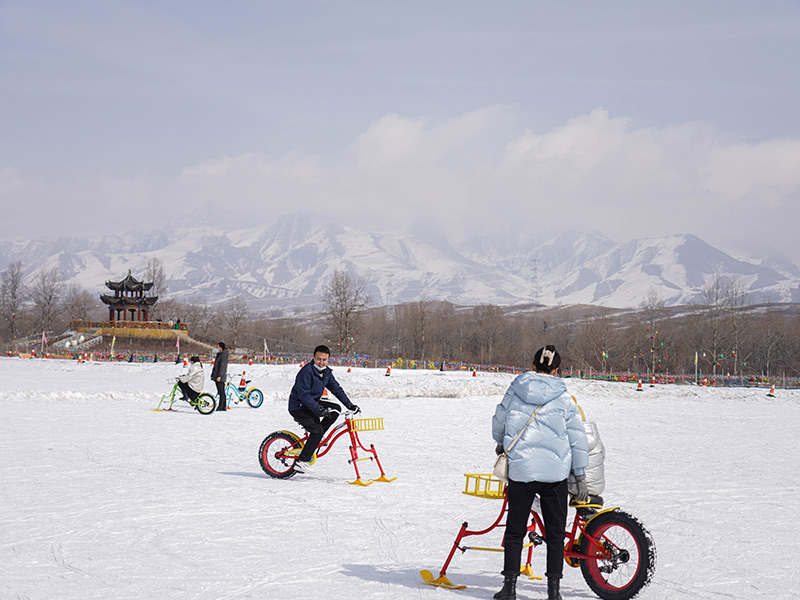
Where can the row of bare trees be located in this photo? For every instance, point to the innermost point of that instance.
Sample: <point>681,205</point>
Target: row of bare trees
<point>724,334</point>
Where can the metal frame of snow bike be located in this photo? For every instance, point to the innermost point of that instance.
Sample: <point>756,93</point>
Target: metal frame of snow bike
<point>614,551</point>
<point>280,449</point>
<point>205,403</point>
<point>253,395</point>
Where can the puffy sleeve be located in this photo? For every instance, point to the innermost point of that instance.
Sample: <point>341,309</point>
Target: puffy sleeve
<point>577,438</point>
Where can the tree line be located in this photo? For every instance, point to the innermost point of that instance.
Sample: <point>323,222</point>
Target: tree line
<point>723,335</point>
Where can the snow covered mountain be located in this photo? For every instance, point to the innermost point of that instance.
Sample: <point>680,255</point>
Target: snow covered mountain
<point>287,264</point>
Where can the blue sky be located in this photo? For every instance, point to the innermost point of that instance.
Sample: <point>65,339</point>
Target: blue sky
<point>639,118</point>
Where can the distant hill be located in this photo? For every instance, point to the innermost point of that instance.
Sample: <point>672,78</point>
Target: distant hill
<point>286,265</point>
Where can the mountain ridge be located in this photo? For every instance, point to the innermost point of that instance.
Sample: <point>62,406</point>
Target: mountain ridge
<point>287,264</point>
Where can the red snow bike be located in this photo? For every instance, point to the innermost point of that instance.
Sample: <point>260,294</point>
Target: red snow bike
<point>614,551</point>
<point>280,449</point>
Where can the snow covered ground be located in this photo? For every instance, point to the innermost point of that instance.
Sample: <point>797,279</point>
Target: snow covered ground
<point>102,498</point>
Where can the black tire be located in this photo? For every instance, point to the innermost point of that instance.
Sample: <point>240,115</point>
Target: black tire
<point>271,454</point>
<point>254,397</point>
<point>631,560</point>
<point>205,404</point>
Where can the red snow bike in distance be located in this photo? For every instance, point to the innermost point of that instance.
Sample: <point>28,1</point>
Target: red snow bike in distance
<point>615,553</point>
<point>280,449</point>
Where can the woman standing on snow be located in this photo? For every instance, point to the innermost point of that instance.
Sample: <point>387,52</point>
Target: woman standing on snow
<point>552,445</point>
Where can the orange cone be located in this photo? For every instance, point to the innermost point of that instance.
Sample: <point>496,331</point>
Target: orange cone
<point>324,394</point>
<point>80,358</point>
<point>348,369</point>
<point>771,391</point>
<point>251,361</point>
<point>474,373</point>
<point>388,371</point>
<point>639,387</point>
<point>185,362</point>
<point>653,381</point>
<point>242,383</point>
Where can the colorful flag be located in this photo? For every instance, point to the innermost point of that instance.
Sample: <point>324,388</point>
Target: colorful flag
<point>266,349</point>
<point>178,343</point>
<point>44,338</point>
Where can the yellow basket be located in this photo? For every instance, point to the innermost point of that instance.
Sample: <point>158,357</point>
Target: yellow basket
<point>366,424</point>
<point>484,485</point>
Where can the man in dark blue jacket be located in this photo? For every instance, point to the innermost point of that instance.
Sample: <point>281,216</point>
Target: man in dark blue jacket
<point>315,415</point>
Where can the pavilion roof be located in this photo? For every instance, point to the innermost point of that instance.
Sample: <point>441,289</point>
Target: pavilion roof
<point>130,283</point>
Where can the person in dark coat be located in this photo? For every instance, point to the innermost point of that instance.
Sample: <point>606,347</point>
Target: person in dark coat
<point>306,407</point>
<point>219,373</point>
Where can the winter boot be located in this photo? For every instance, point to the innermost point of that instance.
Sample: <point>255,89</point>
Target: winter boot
<point>553,583</point>
<point>509,591</point>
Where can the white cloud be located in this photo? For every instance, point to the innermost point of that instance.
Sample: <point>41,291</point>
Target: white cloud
<point>594,171</point>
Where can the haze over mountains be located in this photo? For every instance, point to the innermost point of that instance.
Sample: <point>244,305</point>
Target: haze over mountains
<point>287,264</point>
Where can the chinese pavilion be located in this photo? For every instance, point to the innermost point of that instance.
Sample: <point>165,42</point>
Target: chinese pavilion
<point>129,302</point>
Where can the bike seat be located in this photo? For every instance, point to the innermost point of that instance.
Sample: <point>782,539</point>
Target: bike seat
<point>592,506</point>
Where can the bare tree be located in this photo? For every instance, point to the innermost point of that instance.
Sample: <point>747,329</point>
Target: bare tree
<point>714,293</point>
<point>235,315</point>
<point>45,296</point>
<point>79,305</point>
<point>738,321</point>
<point>344,297</point>
<point>154,271</point>
<point>12,293</point>
<point>198,316</point>
<point>598,335</point>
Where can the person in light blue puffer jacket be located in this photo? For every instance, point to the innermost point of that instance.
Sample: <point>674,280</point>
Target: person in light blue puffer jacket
<point>552,446</point>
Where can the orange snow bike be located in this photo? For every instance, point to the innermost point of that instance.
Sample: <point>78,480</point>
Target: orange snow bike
<point>280,449</point>
<point>614,551</point>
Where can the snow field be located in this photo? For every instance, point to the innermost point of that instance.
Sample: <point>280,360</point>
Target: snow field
<point>102,498</point>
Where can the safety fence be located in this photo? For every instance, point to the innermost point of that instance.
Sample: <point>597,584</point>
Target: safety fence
<point>363,361</point>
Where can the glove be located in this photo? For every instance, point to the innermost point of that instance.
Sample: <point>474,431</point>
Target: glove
<point>582,494</point>
<point>354,409</point>
<point>323,412</point>
<point>499,449</point>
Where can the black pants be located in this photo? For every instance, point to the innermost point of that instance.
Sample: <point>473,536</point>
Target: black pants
<point>553,497</point>
<point>187,391</point>
<point>223,401</point>
<point>315,427</point>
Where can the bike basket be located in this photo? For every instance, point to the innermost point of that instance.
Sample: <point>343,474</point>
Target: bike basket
<point>484,485</point>
<point>366,424</point>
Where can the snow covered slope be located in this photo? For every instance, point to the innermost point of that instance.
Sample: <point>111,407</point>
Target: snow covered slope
<point>288,264</point>
<point>101,498</point>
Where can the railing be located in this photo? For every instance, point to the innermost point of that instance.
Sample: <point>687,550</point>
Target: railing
<point>127,325</point>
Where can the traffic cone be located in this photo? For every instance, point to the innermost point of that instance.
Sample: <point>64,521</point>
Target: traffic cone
<point>474,373</point>
<point>388,371</point>
<point>80,358</point>
<point>653,381</point>
<point>348,369</point>
<point>185,362</point>
<point>771,391</point>
<point>324,394</point>
<point>639,387</point>
<point>242,383</point>
<point>251,361</point>
<point>705,381</point>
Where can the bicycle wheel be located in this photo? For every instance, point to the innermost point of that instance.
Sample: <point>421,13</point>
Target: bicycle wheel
<point>254,397</point>
<point>205,404</point>
<point>278,454</point>
<point>625,560</point>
